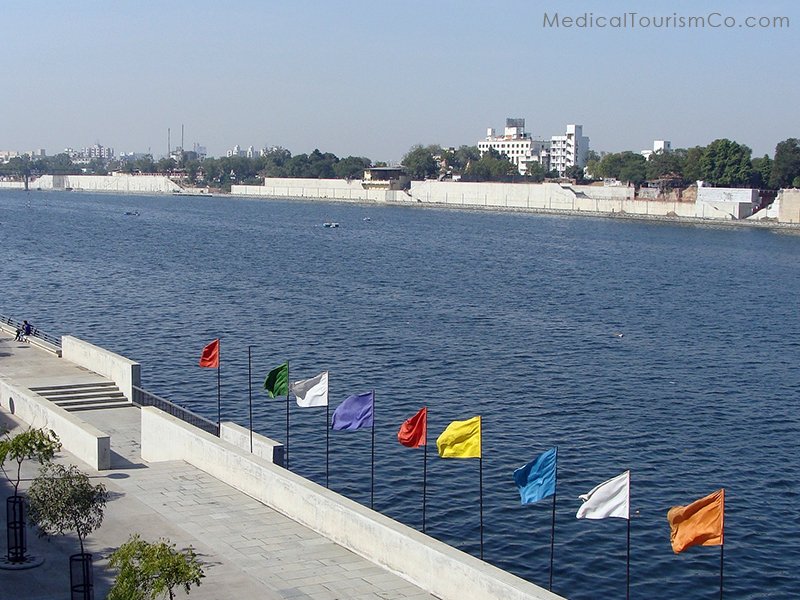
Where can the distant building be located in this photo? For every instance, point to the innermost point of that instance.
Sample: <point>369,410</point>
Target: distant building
<point>520,148</point>
<point>201,151</point>
<point>237,151</point>
<point>7,155</point>
<point>568,150</point>
<point>662,146</point>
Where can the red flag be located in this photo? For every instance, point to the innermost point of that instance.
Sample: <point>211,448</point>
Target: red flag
<point>414,431</point>
<point>210,356</point>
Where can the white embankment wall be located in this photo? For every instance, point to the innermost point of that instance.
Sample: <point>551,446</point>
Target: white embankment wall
<point>428,563</point>
<point>318,189</point>
<point>116,183</point>
<point>86,442</point>
<point>546,197</point>
<point>122,371</point>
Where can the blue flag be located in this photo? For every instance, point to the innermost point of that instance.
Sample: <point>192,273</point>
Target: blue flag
<point>354,413</point>
<point>537,480</point>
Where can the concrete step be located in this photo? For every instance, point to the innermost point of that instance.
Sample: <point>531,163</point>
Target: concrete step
<point>89,394</point>
<point>75,386</point>
<point>84,396</point>
<point>81,407</point>
<point>98,400</point>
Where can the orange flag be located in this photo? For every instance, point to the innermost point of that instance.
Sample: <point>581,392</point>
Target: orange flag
<point>210,356</point>
<point>413,432</point>
<point>699,524</point>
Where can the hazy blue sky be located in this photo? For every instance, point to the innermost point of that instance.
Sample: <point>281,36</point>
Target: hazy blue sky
<point>374,78</point>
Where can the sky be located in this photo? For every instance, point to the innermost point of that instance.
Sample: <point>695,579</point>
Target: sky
<point>373,78</point>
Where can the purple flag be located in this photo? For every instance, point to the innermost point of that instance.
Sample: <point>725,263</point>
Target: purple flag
<point>354,413</point>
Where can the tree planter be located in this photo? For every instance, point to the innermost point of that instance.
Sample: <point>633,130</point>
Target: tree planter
<point>81,580</point>
<point>15,527</point>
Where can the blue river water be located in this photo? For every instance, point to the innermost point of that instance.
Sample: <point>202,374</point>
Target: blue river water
<point>509,316</point>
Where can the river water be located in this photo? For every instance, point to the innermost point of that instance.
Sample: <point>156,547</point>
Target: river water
<point>509,316</point>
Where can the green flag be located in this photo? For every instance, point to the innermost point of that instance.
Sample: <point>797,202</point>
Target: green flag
<point>277,381</point>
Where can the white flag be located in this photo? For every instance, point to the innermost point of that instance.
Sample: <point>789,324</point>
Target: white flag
<point>312,392</point>
<point>611,498</point>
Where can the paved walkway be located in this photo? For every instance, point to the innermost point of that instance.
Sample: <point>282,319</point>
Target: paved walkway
<point>248,549</point>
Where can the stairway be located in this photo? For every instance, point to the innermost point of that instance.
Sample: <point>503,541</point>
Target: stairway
<point>84,396</point>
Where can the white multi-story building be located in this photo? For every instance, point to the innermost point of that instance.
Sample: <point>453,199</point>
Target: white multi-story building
<point>569,150</point>
<point>659,146</point>
<point>517,145</point>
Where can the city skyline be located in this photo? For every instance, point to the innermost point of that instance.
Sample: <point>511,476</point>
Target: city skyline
<point>374,79</point>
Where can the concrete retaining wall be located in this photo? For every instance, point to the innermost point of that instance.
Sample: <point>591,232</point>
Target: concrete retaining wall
<point>320,189</point>
<point>263,447</point>
<point>86,442</point>
<point>432,565</point>
<point>125,373</point>
<point>12,185</point>
<point>789,206</point>
<point>728,203</point>
<point>546,196</point>
<point>117,183</point>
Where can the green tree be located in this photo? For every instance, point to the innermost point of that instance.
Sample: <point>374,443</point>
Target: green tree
<point>39,444</point>
<point>492,166</point>
<point>625,166</point>
<point>147,571</point>
<point>786,166</point>
<point>665,164</point>
<point>727,164</point>
<point>351,167</point>
<point>62,499</point>
<point>692,170</point>
<point>762,171</point>
<point>420,163</point>
<point>535,172</point>
<point>144,164</point>
<point>575,172</point>
<point>166,165</point>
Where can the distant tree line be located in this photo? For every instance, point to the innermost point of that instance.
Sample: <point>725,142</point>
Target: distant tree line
<point>722,163</point>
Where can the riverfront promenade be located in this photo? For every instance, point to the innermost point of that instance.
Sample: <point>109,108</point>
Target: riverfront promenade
<point>248,549</point>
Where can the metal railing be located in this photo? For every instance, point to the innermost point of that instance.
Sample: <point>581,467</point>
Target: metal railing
<point>145,398</point>
<point>35,332</point>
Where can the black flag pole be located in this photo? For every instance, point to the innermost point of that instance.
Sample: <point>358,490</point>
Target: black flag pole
<point>327,444</point>
<point>372,484</point>
<point>553,526</point>
<point>721,563</point>
<point>250,391</point>
<point>286,450</point>
<point>628,564</point>
<point>219,387</point>
<point>480,476</point>
<point>425,473</point>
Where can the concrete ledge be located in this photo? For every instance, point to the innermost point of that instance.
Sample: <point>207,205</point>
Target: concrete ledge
<point>428,563</point>
<point>122,371</point>
<point>86,442</point>
<point>263,447</point>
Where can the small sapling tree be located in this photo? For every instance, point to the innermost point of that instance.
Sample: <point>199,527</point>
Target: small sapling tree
<point>39,444</point>
<point>62,499</point>
<point>148,571</point>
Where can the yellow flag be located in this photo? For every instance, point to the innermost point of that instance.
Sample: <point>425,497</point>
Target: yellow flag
<point>461,439</point>
<point>701,523</point>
